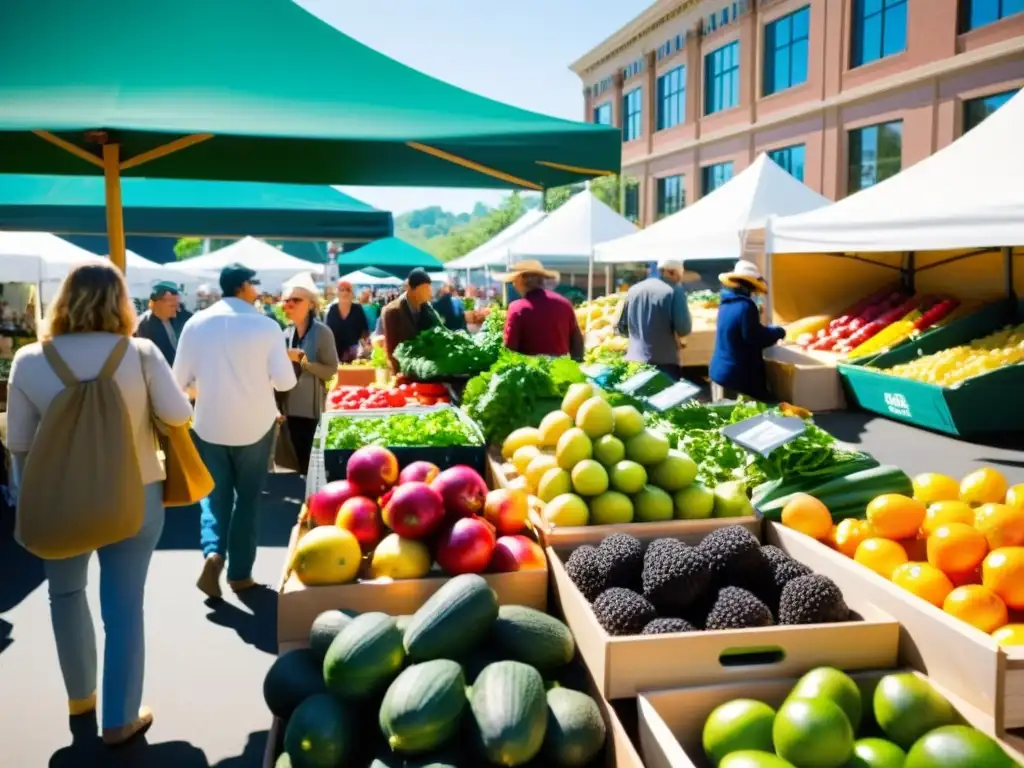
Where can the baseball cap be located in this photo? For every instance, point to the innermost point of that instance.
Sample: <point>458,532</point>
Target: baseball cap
<point>417,278</point>
<point>163,288</point>
<point>234,276</point>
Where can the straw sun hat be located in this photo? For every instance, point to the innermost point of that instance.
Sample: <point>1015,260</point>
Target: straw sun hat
<point>528,267</point>
<point>301,286</point>
<point>744,274</point>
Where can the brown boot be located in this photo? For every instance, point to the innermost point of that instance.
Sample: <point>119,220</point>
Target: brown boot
<point>209,579</point>
<point>241,584</point>
<point>114,737</point>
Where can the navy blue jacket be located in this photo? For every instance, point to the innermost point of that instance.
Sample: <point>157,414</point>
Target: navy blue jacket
<point>152,328</point>
<point>740,340</point>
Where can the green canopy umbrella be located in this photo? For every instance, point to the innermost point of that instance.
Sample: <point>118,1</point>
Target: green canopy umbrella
<point>263,90</point>
<point>165,207</point>
<point>390,255</point>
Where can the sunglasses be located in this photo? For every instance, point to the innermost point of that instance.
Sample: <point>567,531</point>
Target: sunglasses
<point>293,301</point>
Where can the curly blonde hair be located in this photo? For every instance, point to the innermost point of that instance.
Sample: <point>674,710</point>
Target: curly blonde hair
<point>93,297</point>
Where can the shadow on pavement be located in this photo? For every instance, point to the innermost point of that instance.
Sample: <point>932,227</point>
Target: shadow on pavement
<point>279,507</point>
<point>89,751</point>
<point>846,426</point>
<point>20,573</point>
<point>258,628</point>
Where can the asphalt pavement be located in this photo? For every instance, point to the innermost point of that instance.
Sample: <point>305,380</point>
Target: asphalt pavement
<point>206,661</point>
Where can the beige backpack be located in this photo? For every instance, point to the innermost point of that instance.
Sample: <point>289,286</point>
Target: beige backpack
<point>82,487</point>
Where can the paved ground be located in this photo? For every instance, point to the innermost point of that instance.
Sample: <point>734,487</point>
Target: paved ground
<point>205,664</point>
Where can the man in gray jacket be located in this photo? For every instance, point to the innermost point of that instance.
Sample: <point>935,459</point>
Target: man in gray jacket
<point>654,315</point>
<point>163,321</point>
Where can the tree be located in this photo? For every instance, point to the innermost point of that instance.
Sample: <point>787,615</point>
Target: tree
<point>187,247</point>
<point>608,189</point>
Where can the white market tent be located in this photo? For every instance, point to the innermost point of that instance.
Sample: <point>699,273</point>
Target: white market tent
<point>966,195</point>
<point>494,253</point>
<point>362,278</point>
<point>36,257</point>
<point>143,274</point>
<point>272,265</point>
<point>717,225</point>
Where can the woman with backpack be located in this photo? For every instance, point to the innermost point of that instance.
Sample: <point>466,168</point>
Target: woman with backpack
<point>80,417</point>
<point>312,349</point>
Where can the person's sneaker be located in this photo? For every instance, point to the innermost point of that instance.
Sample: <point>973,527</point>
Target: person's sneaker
<point>114,737</point>
<point>84,706</point>
<point>209,579</point>
<point>241,585</point>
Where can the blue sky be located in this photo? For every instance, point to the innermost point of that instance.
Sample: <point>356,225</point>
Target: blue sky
<point>517,51</point>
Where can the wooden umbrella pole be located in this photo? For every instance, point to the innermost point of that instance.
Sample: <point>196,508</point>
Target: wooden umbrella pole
<point>115,210</point>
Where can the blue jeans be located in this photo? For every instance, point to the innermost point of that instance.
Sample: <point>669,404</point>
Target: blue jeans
<point>123,569</point>
<point>229,520</point>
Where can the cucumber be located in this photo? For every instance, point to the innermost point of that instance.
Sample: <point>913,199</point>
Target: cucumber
<point>576,730</point>
<point>532,637</point>
<point>423,706</point>
<point>510,713</point>
<point>847,492</point>
<point>319,733</point>
<point>784,486</point>
<point>292,678</point>
<point>453,621</point>
<point>364,657</point>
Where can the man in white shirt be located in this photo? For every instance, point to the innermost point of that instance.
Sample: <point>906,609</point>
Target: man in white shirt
<point>233,357</point>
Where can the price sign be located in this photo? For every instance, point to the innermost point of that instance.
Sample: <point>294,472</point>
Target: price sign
<point>634,384</point>
<point>678,393</point>
<point>595,370</point>
<point>764,433</point>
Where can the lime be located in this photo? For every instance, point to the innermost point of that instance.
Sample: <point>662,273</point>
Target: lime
<point>813,732</point>
<point>752,758</point>
<point>741,724</point>
<point>609,450</point>
<point>876,753</point>
<point>907,707</point>
<point>957,746</point>
<point>830,683</point>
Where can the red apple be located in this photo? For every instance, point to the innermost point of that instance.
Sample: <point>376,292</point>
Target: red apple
<point>507,510</point>
<point>360,516</point>
<point>463,491</point>
<point>517,553</point>
<point>418,472</point>
<point>466,547</point>
<point>323,505</point>
<point>372,470</point>
<point>415,510</point>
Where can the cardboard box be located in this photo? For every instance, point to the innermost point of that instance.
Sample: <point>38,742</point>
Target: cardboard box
<point>963,660</point>
<point>696,349</point>
<point>500,473</point>
<point>624,666</point>
<point>807,379</point>
<point>671,722</point>
<point>620,749</point>
<point>356,376</point>
<point>298,605</point>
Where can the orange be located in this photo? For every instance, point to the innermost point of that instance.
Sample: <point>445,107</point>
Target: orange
<point>1003,573</point>
<point>881,556</point>
<point>924,580</point>
<point>1011,634</point>
<point>808,515</point>
<point>956,548</point>
<point>916,549</point>
<point>894,516</point>
<point>1015,496</point>
<point>931,487</point>
<point>848,535</point>
<point>965,578</point>
<point>942,512</point>
<point>977,605</point>
<point>1001,524</point>
<point>983,486</point>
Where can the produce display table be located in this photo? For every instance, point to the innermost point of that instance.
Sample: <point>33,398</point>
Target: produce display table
<point>697,348</point>
<point>804,378</point>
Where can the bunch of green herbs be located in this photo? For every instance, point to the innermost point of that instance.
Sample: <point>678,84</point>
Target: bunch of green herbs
<point>441,428</point>
<point>441,353</point>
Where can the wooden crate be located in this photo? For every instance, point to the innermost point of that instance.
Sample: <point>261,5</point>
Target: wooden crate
<point>620,749</point>
<point>963,660</point>
<point>500,473</point>
<point>671,722</point>
<point>625,666</point>
<point>298,605</point>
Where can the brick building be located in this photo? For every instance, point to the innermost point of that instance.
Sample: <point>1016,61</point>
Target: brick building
<point>842,93</point>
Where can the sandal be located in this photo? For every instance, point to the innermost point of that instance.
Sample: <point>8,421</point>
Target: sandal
<point>209,579</point>
<point>114,737</point>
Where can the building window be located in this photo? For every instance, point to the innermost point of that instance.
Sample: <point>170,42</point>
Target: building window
<point>876,153</point>
<point>671,195</point>
<point>791,159</point>
<point>671,98</point>
<point>786,51</point>
<point>977,110</point>
<point>722,78</point>
<point>603,114</point>
<point>714,176</point>
<point>631,111</point>
<point>631,201</point>
<point>978,13</point>
<point>879,30</point>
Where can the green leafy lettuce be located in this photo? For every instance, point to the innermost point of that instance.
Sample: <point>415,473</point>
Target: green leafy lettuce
<point>441,428</point>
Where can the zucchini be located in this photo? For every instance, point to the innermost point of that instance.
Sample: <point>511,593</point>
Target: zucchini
<point>510,712</point>
<point>844,495</point>
<point>422,708</point>
<point>453,621</point>
<point>786,486</point>
<point>364,657</point>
